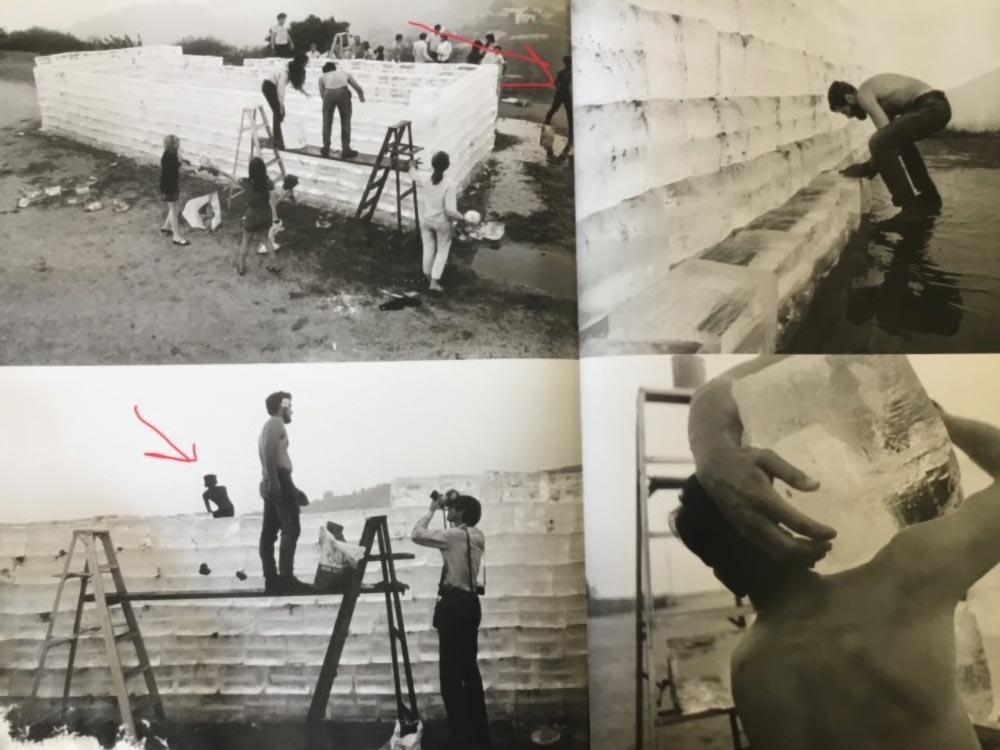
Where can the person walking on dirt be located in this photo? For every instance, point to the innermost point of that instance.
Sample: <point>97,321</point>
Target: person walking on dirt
<point>904,110</point>
<point>563,96</point>
<point>335,91</point>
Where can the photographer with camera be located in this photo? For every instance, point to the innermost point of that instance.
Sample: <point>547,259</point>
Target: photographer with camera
<point>457,613</point>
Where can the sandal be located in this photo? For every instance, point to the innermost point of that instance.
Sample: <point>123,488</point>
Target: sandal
<point>273,269</point>
<point>165,231</point>
<point>182,243</point>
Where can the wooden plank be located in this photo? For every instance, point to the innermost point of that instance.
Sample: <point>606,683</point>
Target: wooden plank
<point>364,160</point>
<point>374,588</point>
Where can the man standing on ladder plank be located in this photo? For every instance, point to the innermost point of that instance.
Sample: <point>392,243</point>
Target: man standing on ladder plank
<point>457,614</point>
<point>336,96</point>
<point>281,500</point>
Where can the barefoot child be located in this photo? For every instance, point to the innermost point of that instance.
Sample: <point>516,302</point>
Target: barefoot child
<point>262,197</point>
<point>170,171</point>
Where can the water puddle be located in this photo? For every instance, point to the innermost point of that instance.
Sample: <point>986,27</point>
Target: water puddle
<point>551,273</point>
<point>928,286</point>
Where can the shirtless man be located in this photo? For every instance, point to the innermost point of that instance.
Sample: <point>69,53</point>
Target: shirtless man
<point>281,500</point>
<point>904,110</point>
<point>865,658</point>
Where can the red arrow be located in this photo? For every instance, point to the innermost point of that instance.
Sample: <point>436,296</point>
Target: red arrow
<point>532,57</point>
<point>181,455</point>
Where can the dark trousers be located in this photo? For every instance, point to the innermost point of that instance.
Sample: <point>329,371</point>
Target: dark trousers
<point>224,513</point>
<point>280,515</point>
<point>282,50</point>
<point>566,101</point>
<point>894,148</point>
<point>457,619</point>
<point>270,92</point>
<point>338,100</point>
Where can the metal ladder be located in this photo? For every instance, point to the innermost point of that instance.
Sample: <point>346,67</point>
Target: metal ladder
<point>92,575</point>
<point>249,122</point>
<point>376,530</point>
<point>651,689</point>
<point>388,161</point>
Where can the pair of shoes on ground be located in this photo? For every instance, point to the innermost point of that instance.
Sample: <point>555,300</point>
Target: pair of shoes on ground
<point>284,585</point>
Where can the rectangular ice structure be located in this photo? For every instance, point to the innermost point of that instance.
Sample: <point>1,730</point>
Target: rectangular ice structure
<point>128,100</point>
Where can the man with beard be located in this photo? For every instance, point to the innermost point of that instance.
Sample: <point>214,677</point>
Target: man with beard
<point>281,500</point>
<point>904,110</point>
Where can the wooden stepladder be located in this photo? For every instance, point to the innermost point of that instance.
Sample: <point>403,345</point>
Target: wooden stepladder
<point>92,577</point>
<point>253,120</point>
<point>376,530</point>
<point>388,160</point>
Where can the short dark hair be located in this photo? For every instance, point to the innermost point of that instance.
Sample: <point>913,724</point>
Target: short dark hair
<point>490,38</point>
<point>423,35</point>
<point>273,402</point>
<point>700,525</point>
<point>399,37</point>
<point>210,478</point>
<point>468,507</point>
<point>329,66</point>
<point>837,94</point>
<point>567,60</point>
<point>282,15</point>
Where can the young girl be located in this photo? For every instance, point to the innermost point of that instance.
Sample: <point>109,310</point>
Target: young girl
<point>170,175</point>
<point>257,220</point>
<point>437,203</point>
<point>293,72</point>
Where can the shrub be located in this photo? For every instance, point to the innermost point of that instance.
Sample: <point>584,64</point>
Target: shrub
<point>50,42</point>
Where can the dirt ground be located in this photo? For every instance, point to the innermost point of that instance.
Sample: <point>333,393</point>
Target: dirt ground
<point>102,287</point>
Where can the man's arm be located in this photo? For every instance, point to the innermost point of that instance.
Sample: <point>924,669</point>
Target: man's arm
<point>869,103</point>
<point>356,86</point>
<point>424,536</point>
<point>738,478</point>
<point>204,496</point>
<point>942,558</point>
<point>272,447</point>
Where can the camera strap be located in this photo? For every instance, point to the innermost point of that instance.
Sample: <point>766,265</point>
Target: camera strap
<point>468,555</point>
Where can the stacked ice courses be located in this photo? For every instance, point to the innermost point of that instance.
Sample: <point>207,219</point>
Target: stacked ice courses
<point>233,659</point>
<point>701,118</point>
<point>128,100</point>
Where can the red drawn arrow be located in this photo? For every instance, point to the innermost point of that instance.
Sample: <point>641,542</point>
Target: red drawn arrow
<point>181,456</point>
<point>532,57</point>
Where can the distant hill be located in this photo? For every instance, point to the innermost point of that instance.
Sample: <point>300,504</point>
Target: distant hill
<point>377,496</point>
<point>976,104</point>
<point>166,23</point>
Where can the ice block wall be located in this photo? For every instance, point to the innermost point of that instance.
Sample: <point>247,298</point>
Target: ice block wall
<point>976,104</point>
<point>698,118</point>
<point>232,659</point>
<point>128,100</point>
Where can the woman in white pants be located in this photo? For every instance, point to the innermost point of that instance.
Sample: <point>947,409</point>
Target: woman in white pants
<point>437,199</point>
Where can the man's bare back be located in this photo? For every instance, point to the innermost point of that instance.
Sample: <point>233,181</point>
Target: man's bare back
<point>855,660</point>
<point>894,92</point>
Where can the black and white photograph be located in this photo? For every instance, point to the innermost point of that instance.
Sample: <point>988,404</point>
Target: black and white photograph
<point>804,546</point>
<point>230,182</point>
<point>786,176</point>
<point>304,556</point>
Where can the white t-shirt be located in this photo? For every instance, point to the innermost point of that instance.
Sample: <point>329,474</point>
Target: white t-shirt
<point>280,33</point>
<point>420,52</point>
<point>444,51</point>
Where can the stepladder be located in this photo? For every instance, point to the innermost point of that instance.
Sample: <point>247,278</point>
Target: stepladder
<point>657,675</point>
<point>114,628</point>
<point>375,532</point>
<point>397,151</point>
<point>253,120</point>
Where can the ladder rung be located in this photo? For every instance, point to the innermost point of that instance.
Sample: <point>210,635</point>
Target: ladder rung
<point>73,575</point>
<point>125,635</point>
<point>84,632</point>
<point>107,567</point>
<point>128,674</point>
<point>408,192</point>
<point>396,633</point>
<point>393,556</point>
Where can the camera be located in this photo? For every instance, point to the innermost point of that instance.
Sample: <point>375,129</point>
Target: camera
<point>448,496</point>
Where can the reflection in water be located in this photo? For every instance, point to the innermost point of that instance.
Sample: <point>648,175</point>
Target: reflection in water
<point>904,290</point>
<point>926,285</point>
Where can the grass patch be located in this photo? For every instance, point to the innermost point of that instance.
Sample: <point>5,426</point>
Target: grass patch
<point>556,224</point>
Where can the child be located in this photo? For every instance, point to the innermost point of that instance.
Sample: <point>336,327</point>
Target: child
<point>258,220</point>
<point>170,172</point>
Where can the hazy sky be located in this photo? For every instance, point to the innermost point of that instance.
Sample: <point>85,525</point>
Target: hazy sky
<point>72,446</point>
<point>963,384</point>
